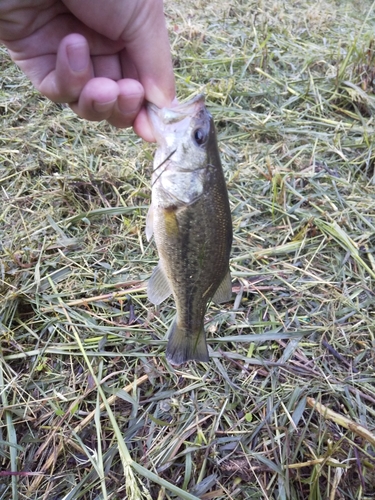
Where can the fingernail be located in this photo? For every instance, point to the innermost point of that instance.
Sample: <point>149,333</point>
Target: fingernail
<point>102,107</point>
<point>159,97</point>
<point>78,56</point>
<point>129,105</point>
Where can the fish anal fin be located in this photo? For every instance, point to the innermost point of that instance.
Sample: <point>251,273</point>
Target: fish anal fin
<point>158,287</point>
<point>183,346</point>
<point>224,290</point>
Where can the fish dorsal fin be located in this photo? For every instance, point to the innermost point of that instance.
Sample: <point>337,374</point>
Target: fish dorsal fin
<point>158,288</point>
<point>150,223</point>
<point>224,291</point>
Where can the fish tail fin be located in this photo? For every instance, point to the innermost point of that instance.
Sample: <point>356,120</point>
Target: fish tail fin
<point>182,346</point>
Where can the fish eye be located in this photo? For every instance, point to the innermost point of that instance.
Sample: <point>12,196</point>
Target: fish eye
<point>200,136</point>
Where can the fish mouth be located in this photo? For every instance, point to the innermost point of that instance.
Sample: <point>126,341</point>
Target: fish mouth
<point>178,113</point>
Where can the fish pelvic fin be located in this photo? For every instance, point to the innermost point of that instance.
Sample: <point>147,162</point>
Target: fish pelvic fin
<point>150,223</point>
<point>182,347</point>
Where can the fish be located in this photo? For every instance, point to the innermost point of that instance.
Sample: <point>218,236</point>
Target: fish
<point>190,219</point>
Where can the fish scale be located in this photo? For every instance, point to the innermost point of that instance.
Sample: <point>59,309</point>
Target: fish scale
<point>191,222</point>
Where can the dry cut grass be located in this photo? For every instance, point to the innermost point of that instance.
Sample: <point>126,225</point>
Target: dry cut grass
<point>286,407</point>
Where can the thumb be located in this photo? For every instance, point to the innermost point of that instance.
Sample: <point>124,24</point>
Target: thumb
<point>148,48</point>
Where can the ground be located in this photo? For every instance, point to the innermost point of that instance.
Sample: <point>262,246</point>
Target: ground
<point>285,409</point>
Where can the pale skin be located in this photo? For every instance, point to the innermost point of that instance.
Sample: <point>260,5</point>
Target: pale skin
<point>104,58</point>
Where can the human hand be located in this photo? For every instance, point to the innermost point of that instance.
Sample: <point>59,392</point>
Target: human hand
<point>103,58</point>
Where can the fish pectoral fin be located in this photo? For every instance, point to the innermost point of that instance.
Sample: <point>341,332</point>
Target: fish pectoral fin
<point>224,291</point>
<point>150,223</point>
<point>183,346</point>
<point>158,288</point>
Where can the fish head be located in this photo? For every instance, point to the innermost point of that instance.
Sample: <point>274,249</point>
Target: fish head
<point>183,134</point>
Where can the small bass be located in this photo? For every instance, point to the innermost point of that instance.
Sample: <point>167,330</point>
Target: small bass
<point>191,222</point>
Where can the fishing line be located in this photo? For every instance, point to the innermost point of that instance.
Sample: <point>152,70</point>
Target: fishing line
<point>161,164</point>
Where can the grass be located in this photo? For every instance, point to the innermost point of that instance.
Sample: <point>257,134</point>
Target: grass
<point>286,407</point>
